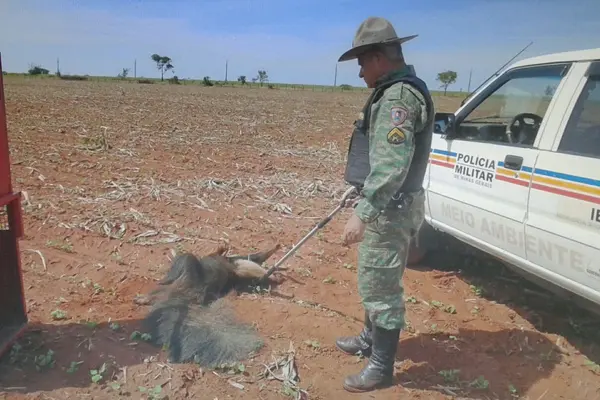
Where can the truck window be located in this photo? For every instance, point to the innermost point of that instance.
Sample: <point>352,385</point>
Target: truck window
<point>511,111</point>
<point>582,133</point>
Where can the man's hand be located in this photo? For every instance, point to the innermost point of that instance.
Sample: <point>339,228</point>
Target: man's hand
<point>354,230</point>
<point>352,202</point>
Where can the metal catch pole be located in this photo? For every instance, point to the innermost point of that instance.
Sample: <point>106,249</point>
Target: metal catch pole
<point>320,225</point>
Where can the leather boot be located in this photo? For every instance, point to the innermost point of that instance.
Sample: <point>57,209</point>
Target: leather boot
<point>379,371</point>
<point>362,343</point>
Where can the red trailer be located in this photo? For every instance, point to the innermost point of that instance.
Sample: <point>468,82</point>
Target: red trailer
<point>13,311</point>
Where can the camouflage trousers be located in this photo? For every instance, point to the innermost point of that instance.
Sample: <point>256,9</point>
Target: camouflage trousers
<point>382,257</point>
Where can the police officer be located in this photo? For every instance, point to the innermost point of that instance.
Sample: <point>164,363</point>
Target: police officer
<point>387,158</point>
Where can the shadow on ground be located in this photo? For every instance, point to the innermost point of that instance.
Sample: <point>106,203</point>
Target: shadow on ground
<point>492,280</point>
<point>49,357</point>
<point>451,365</point>
<point>475,364</point>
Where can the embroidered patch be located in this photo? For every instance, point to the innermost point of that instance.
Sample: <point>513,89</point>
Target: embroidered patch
<point>396,136</point>
<point>399,115</point>
<point>361,116</point>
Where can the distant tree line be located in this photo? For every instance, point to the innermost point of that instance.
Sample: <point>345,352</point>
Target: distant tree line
<point>165,64</point>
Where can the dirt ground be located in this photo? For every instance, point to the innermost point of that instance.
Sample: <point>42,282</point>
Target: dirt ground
<point>118,175</point>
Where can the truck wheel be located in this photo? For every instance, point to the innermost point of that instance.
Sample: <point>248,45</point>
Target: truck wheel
<point>415,254</point>
<point>424,241</point>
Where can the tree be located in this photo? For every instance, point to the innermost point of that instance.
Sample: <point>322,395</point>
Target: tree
<point>242,79</point>
<point>262,77</point>
<point>123,74</point>
<point>446,78</point>
<point>37,70</point>
<point>163,63</point>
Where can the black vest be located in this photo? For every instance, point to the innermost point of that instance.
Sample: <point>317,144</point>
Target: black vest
<point>358,166</point>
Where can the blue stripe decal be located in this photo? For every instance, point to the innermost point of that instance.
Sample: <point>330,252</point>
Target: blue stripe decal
<point>524,169</point>
<point>544,172</point>
<point>444,153</point>
<point>567,177</point>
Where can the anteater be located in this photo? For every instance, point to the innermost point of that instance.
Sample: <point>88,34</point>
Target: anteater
<point>189,317</point>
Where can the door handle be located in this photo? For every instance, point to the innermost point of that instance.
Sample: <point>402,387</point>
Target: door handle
<point>513,162</point>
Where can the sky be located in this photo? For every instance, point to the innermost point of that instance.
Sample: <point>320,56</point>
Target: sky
<point>295,41</point>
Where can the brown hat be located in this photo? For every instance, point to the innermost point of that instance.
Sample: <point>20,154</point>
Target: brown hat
<point>373,31</point>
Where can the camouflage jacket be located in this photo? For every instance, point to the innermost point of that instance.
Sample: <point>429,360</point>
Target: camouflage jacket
<point>395,117</point>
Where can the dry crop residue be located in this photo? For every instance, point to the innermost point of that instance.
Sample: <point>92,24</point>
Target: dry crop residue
<point>117,175</point>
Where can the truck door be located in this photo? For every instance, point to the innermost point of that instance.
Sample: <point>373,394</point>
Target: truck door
<point>481,166</point>
<point>563,225</point>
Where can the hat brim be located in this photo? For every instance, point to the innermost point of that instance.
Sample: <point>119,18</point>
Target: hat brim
<point>356,51</point>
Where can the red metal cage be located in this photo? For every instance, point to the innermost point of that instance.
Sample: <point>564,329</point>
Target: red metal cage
<point>13,311</point>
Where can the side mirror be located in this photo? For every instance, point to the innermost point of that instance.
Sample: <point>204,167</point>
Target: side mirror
<point>444,125</point>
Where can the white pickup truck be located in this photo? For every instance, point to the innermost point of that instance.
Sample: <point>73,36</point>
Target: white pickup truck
<point>515,172</point>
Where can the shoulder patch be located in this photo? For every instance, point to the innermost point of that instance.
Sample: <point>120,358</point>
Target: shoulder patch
<point>399,115</point>
<point>396,136</point>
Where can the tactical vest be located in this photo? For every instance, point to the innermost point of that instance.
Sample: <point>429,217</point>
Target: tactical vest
<point>358,166</point>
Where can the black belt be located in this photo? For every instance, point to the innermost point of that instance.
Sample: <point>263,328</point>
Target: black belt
<point>403,199</point>
<point>399,200</point>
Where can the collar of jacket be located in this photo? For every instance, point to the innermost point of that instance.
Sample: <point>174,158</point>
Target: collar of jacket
<point>394,74</point>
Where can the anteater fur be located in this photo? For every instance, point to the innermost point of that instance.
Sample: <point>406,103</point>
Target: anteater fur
<point>189,316</point>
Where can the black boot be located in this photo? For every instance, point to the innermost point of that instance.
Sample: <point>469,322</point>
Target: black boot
<point>362,343</point>
<point>379,372</point>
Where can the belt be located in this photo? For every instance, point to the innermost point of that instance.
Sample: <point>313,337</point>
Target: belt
<point>403,199</point>
<point>399,200</point>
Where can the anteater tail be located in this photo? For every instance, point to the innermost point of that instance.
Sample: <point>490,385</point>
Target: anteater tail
<point>207,335</point>
<point>190,318</point>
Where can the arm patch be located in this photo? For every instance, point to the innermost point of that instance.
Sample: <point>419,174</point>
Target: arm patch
<point>399,115</point>
<point>396,136</point>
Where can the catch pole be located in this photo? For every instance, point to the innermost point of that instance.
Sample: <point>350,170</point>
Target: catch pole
<point>347,195</point>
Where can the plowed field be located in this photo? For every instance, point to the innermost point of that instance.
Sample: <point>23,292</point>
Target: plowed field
<point>116,176</point>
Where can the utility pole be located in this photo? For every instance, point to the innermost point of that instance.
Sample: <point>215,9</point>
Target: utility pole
<point>226,65</point>
<point>57,66</point>
<point>335,76</point>
<point>135,68</point>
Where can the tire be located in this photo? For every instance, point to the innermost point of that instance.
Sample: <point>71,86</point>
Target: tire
<point>422,243</point>
<point>415,254</point>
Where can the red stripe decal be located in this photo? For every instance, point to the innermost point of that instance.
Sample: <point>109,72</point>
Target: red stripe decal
<point>512,180</point>
<point>442,164</point>
<point>544,188</point>
<point>566,193</point>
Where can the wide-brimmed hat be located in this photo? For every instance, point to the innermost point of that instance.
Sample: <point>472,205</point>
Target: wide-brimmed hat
<point>371,32</point>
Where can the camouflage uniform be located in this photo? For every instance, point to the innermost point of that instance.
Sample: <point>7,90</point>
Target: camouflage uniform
<point>384,249</point>
<point>387,159</point>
